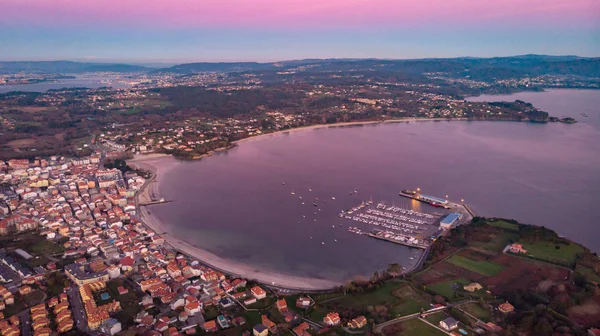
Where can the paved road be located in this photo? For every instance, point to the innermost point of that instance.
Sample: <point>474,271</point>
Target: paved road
<point>77,309</point>
<point>25,319</point>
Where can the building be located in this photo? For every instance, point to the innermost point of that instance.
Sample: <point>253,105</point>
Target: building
<point>506,307</point>
<point>303,302</point>
<point>258,293</point>
<point>332,319</point>
<point>517,248</point>
<point>260,330</point>
<point>302,329</point>
<point>449,324</point>
<point>357,322</point>
<point>210,326</point>
<point>282,306</point>
<point>433,199</point>
<point>449,220</point>
<point>111,326</point>
<point>473,287</point>
<point>80,276</point>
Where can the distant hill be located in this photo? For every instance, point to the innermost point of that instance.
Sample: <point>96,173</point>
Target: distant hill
<point>461,67</point>
<point>67,67</point>
<point>472,67</point>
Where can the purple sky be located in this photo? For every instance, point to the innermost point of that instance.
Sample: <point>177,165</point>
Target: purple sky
<point>264,30</point>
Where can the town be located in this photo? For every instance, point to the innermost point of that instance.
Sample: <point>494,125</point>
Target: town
<point>75,258</point>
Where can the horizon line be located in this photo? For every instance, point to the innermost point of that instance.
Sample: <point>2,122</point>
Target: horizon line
<point>108,60</point>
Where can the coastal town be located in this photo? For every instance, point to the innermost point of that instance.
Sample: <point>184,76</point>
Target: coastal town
<point>82,252</point>
<point>76,258</point>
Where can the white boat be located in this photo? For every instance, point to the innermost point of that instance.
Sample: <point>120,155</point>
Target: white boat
<point>333,198</point>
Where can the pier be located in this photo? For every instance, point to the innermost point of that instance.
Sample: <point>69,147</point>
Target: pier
<point>154,202</point>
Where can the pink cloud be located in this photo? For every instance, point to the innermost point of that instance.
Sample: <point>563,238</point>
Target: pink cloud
<point>298,14</point>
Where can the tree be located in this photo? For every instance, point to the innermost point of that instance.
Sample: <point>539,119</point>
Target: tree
<point>394,270</point>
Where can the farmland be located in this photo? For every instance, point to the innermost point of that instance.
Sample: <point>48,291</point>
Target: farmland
<point>481,267</point>
<point>412,327</point>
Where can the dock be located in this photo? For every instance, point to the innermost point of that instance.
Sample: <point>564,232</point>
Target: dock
<point>433,201</point>
<point>154,202</point>
<point>397,241</point>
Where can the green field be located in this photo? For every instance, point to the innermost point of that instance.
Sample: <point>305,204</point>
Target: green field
<point>498,243</point>
<point>410,306</point>
<point>588,273</point>
<point>416,327</point>
<point>481,267</point>
<point>382,295</point>
<point>503,225</point>
<point>545,250</point>
<point>445,288</point>
<point>436,318</point>
<point>478,311</point>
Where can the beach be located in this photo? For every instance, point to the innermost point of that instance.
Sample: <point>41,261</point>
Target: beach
<point>156,164</point>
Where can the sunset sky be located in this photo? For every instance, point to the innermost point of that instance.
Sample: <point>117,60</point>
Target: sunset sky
<point>266,30</point>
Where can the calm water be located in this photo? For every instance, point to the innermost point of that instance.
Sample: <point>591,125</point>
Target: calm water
<point>81,81</point>
<point>234,203</point>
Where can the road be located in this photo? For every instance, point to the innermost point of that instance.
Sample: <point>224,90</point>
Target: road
<point>379,327</point>
<point>77,309</point>
<point>25,319</point>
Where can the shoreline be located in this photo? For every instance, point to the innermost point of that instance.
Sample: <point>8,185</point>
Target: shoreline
<point>236,269</point>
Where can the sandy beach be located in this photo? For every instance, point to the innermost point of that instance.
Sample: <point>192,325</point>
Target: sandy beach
<point>150,191</point>
<point>345,124</point>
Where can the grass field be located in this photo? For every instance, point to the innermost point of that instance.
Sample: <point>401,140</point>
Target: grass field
<point>445,288</point>
<point>588,273</point>
<point>498,243</point>
<point>436,318</point>
<point>382,295</point>
<point>545,250</point>
<point>409,306</point>
<point>414,327</point>
<point>478,311</point>
<point>503,225</point>
<point>481,267</point>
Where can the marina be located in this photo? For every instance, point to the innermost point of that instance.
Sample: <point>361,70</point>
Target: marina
<point>395,224</point>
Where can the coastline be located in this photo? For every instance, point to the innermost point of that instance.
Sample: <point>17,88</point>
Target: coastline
<point>271,279</point>
<point>346,124</point>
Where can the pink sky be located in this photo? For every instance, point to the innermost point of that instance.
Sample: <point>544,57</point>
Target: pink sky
<point>298,14</point>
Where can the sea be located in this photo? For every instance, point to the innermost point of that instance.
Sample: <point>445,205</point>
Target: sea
<point>244,204</point>
<point>86,81</point>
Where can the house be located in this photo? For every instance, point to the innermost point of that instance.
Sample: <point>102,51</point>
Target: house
<point>258,293</point>
<point>210,326</point>
<point>249,301</point>
<point>449,324</point>
<point>332,319</point>
<point>282,306</point>
<point>506,307</point>
<point>517,248</point>
<point>268,323</point>
<point>303,302</point>
<point>192,308</point>
<point>260,330</point>
<point>357,322</point>
<point>473,287</point>
<point>301,329</point>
